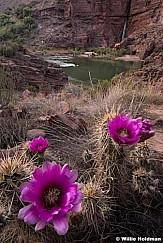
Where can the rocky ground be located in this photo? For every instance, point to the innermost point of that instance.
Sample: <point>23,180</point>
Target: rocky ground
<point>25,71</point>
<point>148,45</point>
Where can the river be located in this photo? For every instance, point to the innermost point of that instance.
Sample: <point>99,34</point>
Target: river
<point>81,69</point>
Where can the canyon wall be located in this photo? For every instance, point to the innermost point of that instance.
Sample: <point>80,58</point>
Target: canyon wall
<point>144,13</point>
<point>80,23</point>
<point>87,23</point>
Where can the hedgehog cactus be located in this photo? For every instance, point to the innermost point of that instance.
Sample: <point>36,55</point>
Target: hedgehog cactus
<point>96,203</point>
<point>110,157</point>
<point>109,151</point>
<point>141,179</point>
<point>13,171</point>
<point>140,155</point>
<point>119,134</point>
<point>144,182</point>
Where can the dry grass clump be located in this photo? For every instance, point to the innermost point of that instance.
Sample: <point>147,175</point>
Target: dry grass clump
<point>12,130</point>
<point>17,232</point>
<point>151,93</point>
<point>68,145</point>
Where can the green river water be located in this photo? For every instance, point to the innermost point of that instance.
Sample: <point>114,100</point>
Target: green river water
<point>82,68</point>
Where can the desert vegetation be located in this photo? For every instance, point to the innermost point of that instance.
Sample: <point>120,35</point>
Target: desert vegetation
<point>98,144</point>
<point>97,52</point>
<point>14,27</point>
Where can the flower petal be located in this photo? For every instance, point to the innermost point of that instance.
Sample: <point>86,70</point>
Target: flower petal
<point>46,216</point>
<point>55,210</point>
<point>24,185</point>
<point>78,198</point>
<point>77,208</point>
<point>31,218</point>
<point>38,174</point>
<point>73,175</point>
<point>66,199</point>
<point>56,169</point>
<point>66,170</point>
<point>23,211</point>
<point>27,195</point>
<point>66,209</point>
<point>29,214</point>
<point>61,224</point>
<point>47,166</point>
<point>40,225</point>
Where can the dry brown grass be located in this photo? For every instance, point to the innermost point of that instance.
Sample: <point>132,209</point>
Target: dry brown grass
<point>17,232</point>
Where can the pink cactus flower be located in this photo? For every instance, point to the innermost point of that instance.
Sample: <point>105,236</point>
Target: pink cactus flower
<point>124,130</point>
<point>38,145</point>
<point>147,130</point>
<point>52,194</point>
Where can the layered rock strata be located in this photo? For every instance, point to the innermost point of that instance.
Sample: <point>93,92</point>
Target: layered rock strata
<point>29,70</point>
<point>87,23</point>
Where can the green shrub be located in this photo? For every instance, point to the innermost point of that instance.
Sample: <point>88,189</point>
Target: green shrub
<point>118,52</point>
<point>23,11</point>
<point>32,88</point>
<point>78,50</point>
<point>4,19</point>
<point>103,85</point>
<point>44,48</point>
<point>27,11</point>
<point>106,51</point>
<point>5,34</point>
<point>19,39</point>
<point>6,89</point>
<point>18,29</point>
<point>13,32</point>
<point>19,11</point>
<point>29,22</point>
<point>8,11</point>
<point>8,49</point>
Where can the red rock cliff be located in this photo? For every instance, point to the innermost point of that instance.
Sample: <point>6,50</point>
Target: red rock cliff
<point>83,23</point>
<point>144,13</point>
<point>99,23</point>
